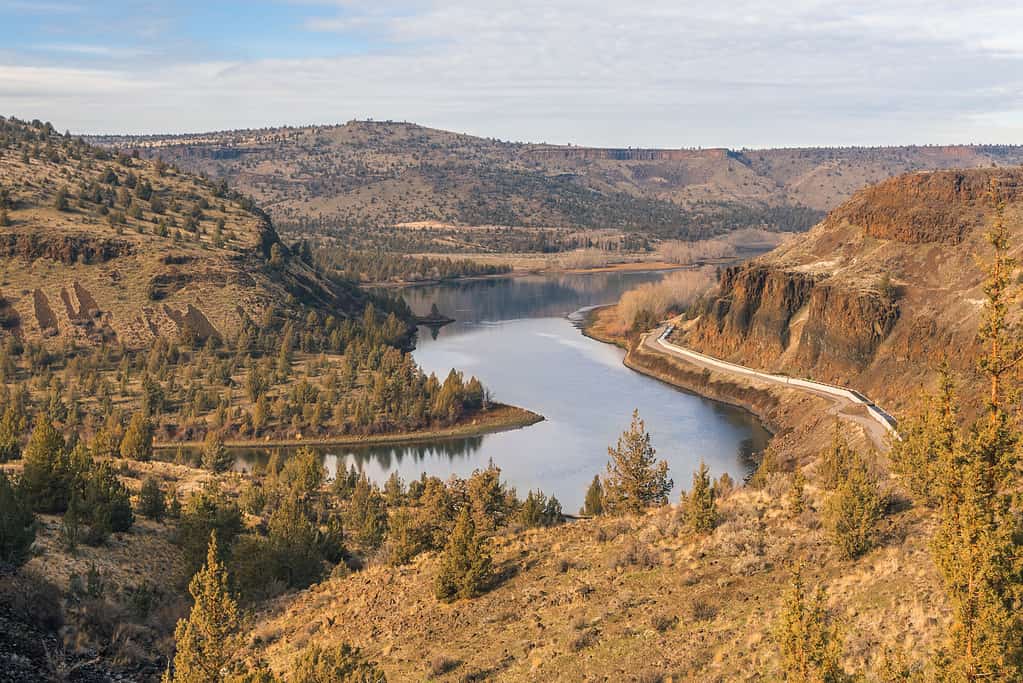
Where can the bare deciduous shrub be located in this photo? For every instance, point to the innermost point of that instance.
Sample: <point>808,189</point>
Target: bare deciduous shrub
<point>662,622</point>
<point>675,292</point>
<point>742,539</point>
<point>702,610</point>
<point>583,640</point>
<point>442,664</point>
<point>635,553</point>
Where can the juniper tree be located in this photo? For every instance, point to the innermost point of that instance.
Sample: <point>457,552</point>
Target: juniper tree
<point>137,442</point>
<point>152,502</point>
<point>834,462</point>
<point>593,505</point>
<point>366,514</point>
<point>46,476</point>
<point>977,544</point>
<point>466,566</point>
<point>797,493</point>
<point>215,456</point>
<point>12,424</point>
<point>635,480</point>
<point>855,509</point>
<point>206,640</point>
<point>17,523</point>
<point>810,648</point>
<point>700,506</point>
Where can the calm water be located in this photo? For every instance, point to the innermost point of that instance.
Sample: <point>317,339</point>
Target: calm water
<point>515,335</point>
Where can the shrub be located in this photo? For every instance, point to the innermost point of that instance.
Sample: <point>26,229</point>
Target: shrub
<point>341,664</point>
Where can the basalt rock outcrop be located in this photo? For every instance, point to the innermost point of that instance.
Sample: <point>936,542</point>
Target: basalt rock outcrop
<point>877,295</point>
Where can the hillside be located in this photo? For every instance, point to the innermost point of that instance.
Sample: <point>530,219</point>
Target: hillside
<point>876,295</point>
<point>99,248</point>
<point>385,173</point>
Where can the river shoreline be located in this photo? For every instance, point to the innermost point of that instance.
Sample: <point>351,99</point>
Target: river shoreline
<point>796,417</point>
<point>499,418</point>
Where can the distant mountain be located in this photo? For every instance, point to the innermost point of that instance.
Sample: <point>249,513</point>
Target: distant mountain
<point>876,296</point>
<point>96,248</point>
<point>385,173</point>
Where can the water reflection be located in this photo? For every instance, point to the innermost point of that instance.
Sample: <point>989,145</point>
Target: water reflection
<point>513,334</point>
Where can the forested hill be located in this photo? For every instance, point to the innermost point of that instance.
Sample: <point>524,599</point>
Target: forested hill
<point>100,248</point>
<point>386,173</point>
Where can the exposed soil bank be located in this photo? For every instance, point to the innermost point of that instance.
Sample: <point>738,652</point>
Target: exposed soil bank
<point>803,422</point>
<point>498,418</point>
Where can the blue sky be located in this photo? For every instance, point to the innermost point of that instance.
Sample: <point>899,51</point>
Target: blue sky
<point>644,73</point>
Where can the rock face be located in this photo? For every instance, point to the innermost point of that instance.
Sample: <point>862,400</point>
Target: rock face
<point>876,295</point>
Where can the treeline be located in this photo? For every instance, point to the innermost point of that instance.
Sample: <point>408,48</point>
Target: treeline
<point>281,377</point>
<point>379,266</point>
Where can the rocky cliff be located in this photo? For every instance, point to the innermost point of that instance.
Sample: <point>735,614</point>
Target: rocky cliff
<point>876,295</point>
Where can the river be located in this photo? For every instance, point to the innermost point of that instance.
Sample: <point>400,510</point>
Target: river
<point>515,334</point>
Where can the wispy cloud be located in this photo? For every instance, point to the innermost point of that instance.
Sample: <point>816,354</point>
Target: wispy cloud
<point>657,72</point>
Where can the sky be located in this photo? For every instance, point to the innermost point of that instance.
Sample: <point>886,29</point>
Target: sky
<point>640,73</point>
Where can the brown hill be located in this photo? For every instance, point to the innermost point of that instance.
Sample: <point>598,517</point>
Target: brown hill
<point>385,173</point>
<point>875,296</point>
<point>98,247</point>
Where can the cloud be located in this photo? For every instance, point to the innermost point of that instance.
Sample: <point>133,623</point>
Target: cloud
<point>656,73</point>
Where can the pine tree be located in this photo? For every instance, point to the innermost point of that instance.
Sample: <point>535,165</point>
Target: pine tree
<point>206,639</point>
<point>700,506</point>
<point>810,648</point>
<point>594,502</point>
<point>466,566</point>
<point>137,443</point>
<point>17,523</point>
<point>797,493</point>
<point>855,509</point>
<point>634,479</point>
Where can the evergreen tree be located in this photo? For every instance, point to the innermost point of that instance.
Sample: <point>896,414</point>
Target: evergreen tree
<point>11,426</point>
<point>855,509</point>
<point>17,523</point>
<point>466,566</point>
<point>137,443</point>
<point>152,502</point>
<point>215,456</point>
<point>977,544</point>
<point>46,477</point>
<point>927,440</point>
<point>700,505</point>
<point>341,664</point>
<point>797,493</point>
<point>207,638</point>
<point>810,648</point>
<point>594,502</point>
<point>634,479</point>
<point>293,541</point>
<point>207,510</point>
<point>366,514</point>
<point>106,503</point>
<point>834,462</point>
